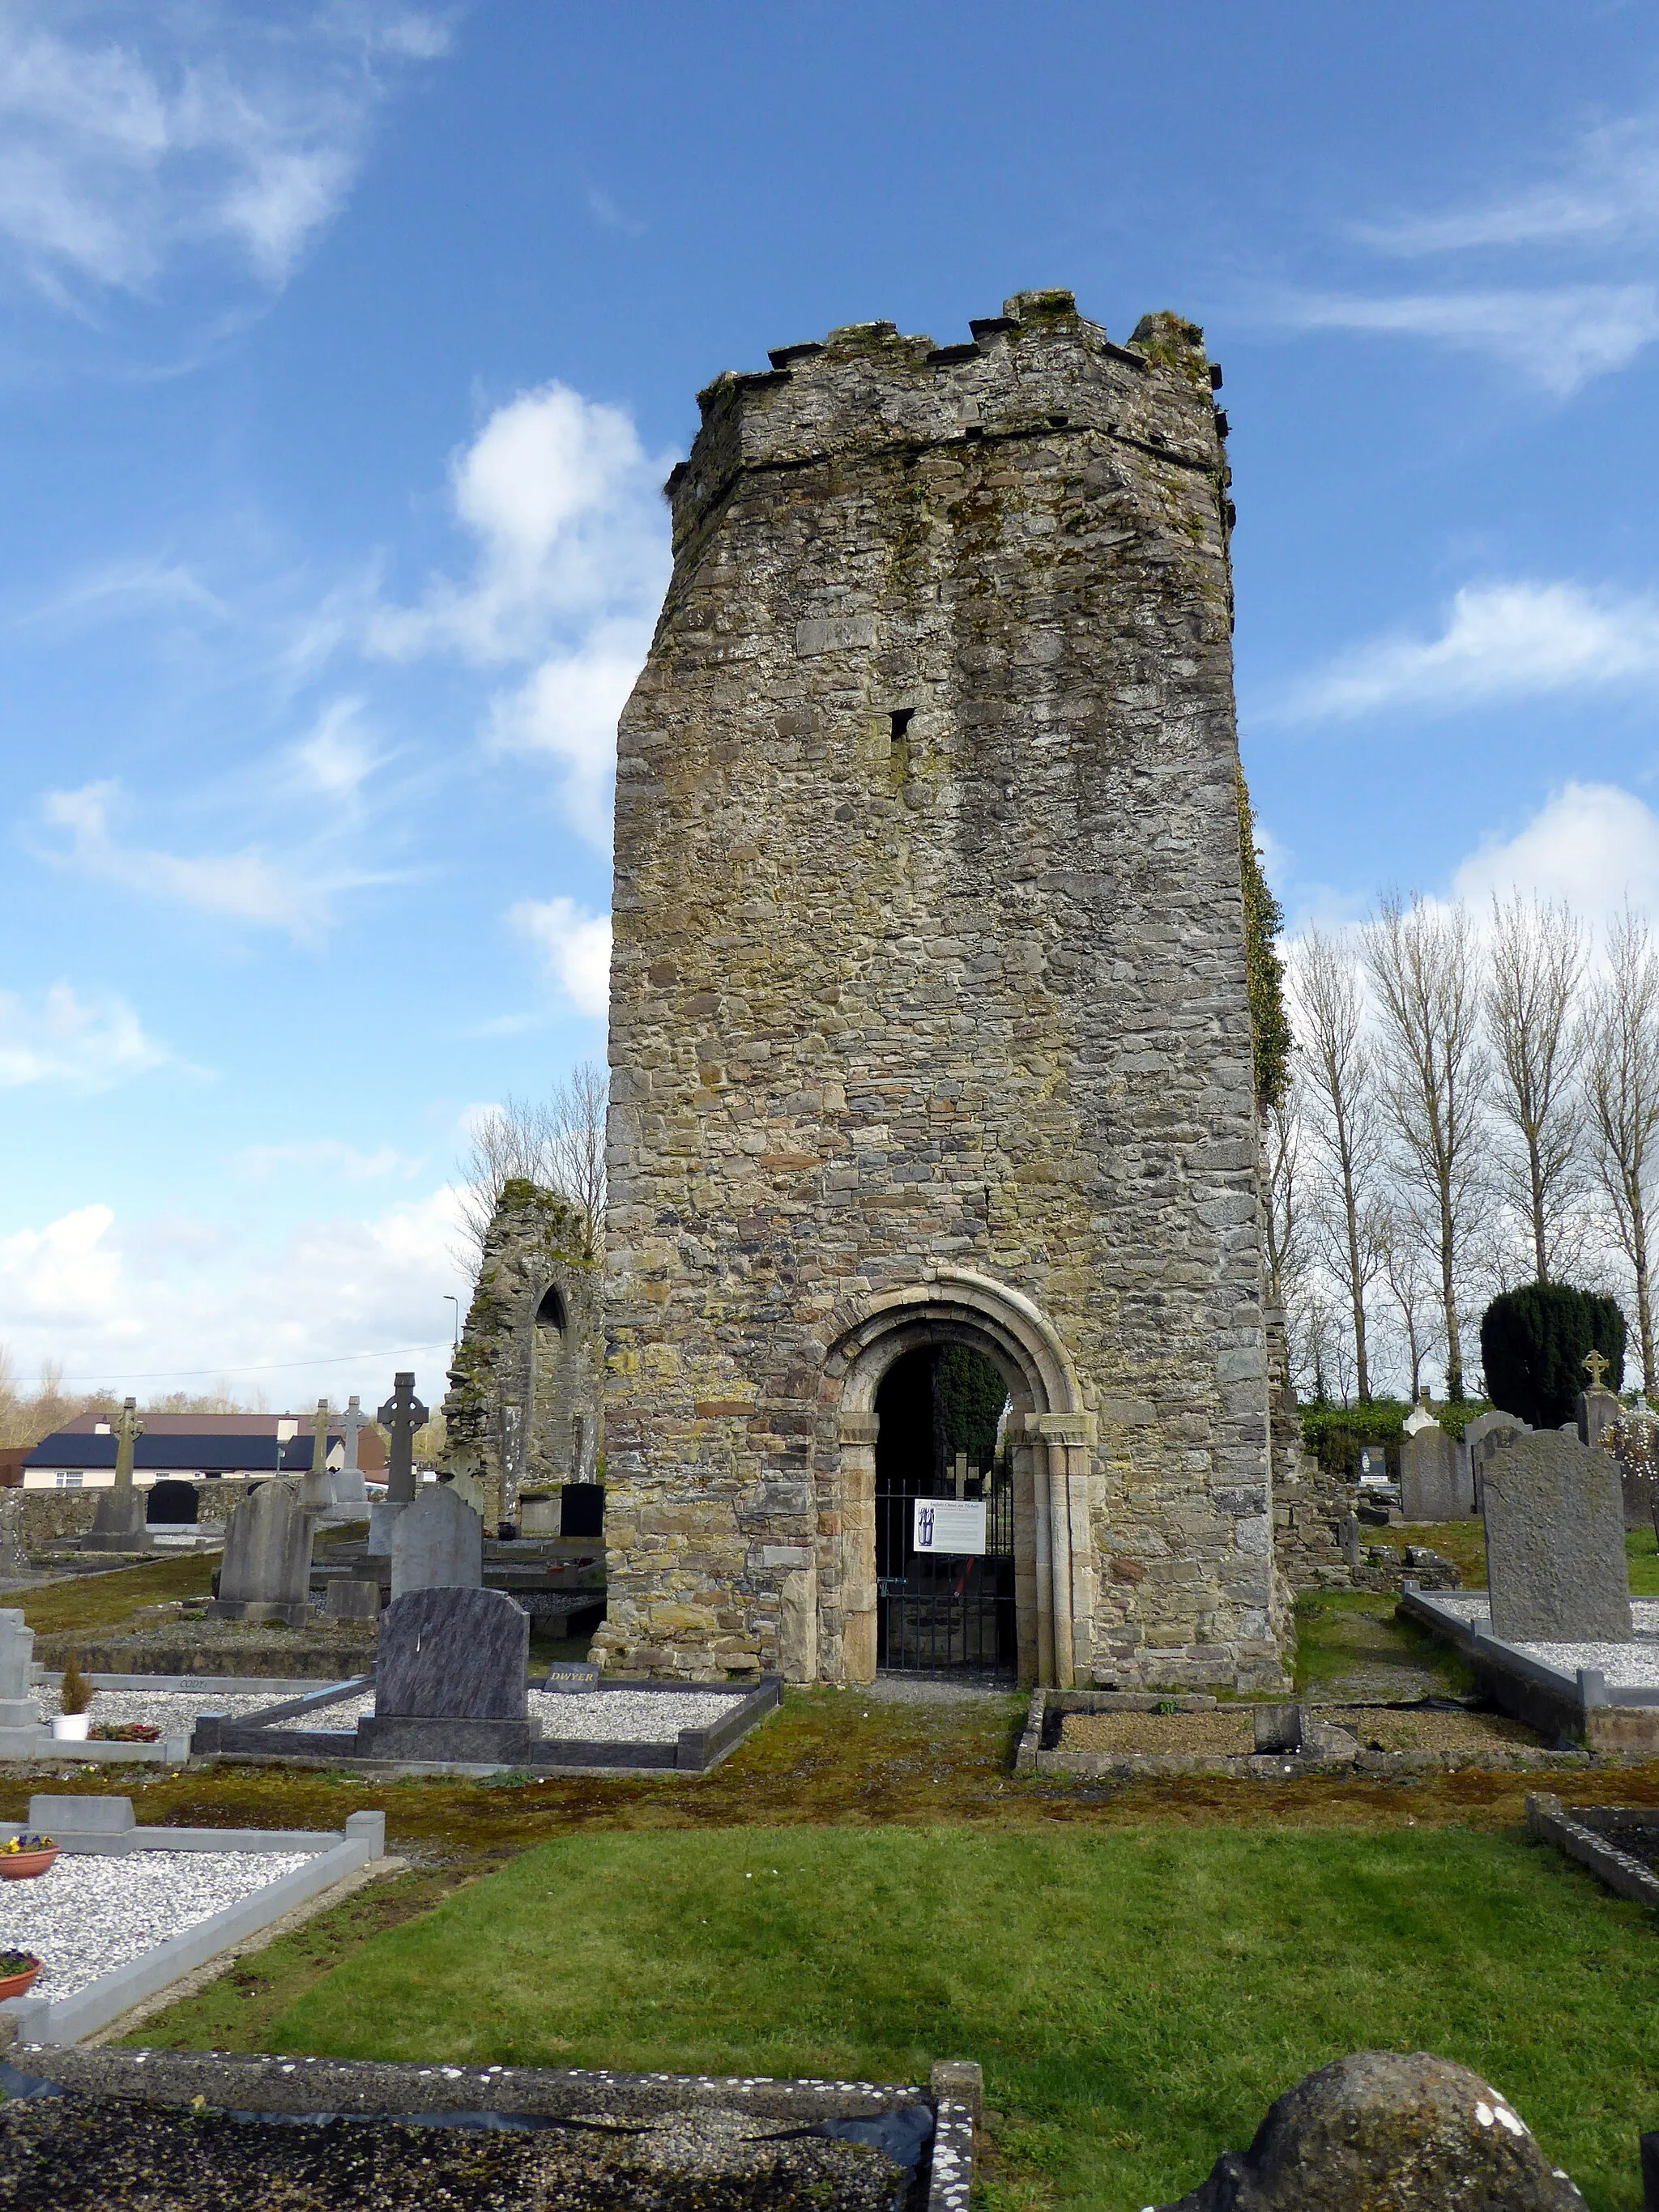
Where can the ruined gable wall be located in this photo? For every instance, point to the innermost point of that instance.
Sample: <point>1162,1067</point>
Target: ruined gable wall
<point>969,992</point>
<point>536,1239</point>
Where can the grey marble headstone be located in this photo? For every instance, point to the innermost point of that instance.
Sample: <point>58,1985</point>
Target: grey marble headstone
<point>1555,1542</point>
<point>449,1681</point>
<point>1434,1483</point>
<point>452,1655</point>
<point>266,1575</point>
<point>118,1522</point>
<point>1488,1433</point>
<point>437,1543</point>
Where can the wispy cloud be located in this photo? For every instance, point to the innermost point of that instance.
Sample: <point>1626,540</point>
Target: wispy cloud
<point>574,947</point>
<point>1556,339</point>
<point>1606,193</point>
<point>1499,640</point>
<point>130,138</point>
<point>86,1044</point>
<point>561,499</point>
<point>1550,279</point>
<point>295,893</point>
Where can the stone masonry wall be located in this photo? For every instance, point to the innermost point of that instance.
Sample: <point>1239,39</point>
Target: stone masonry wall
<point>523,1409</point>
<point>929,953</point>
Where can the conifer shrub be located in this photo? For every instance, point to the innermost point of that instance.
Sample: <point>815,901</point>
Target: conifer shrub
<point>1532,1345</point>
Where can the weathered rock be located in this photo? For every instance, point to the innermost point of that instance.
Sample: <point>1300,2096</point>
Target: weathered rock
<point>1382,2132</point>
<point>929,1011</point>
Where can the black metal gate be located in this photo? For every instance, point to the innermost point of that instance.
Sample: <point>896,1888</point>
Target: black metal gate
<point>940,1610</point>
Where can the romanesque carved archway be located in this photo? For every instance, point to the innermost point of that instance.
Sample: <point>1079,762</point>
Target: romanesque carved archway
<point>1051,1432</point>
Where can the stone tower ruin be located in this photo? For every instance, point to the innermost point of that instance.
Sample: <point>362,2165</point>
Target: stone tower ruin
<point>928,1013</point>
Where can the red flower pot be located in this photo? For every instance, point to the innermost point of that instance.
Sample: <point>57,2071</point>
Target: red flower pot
<point>13,1985</point>
<point>23,1866</point>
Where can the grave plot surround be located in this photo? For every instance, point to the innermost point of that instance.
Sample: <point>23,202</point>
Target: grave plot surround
<point>928,1007</point>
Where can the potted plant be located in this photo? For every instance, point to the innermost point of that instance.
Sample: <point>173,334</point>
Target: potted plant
<point>17,1970</point>
<point>74,1697</point>
<point>25,1856</point>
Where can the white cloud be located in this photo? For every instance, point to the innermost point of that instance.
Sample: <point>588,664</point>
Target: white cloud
<point>1591,845</point>
<point>148,1305</point>
<point>335,760</point>
<point>562,501</point>
<point>1556,339</point>
<point>575,948</point>
<point>1608,193</point>
<point>561,498</point>
<point>90,1044</point>
<point>567,709</point>
<point>295,893</point>
<point>177,129</point>
<point>1502,640</point>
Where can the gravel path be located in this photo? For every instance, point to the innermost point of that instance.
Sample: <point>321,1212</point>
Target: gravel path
<point>88,1915</point>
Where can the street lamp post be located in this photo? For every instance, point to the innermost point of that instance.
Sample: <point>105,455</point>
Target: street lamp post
<point>453,1300</point>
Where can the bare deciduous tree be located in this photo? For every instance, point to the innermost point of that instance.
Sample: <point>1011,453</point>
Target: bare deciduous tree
<point>1621,1088</point>
<point>557,1142</point>
<point>1281,1137</point>
<point>1538,960</point>
<point>1337,1060</point>
<point>1404,1249</point>
<point>1423,962</point>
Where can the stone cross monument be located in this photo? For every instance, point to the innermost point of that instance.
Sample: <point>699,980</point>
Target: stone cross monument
<point>1598,1408</point>
<point>348,1485</point>
<point>317,1490</point>
<point>402,1414</point>
<point>119,1520</point>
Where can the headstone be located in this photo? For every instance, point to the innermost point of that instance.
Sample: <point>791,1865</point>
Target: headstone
<point>449,1680</point>
<point>1373,1467</point>
<point>1555,1543</point>
<point>317,1489</point>
<point>1636,1447</point>
<point>352,1597</point>
<point>1353,1552</point>
<point>1598,1407</point>
<point>19,1718</point>
<point>437,1543</point>
<point>1488,1433</point>
<point>1434,1484</point>
<point>117,1523</point>
<point>266,1575</point>
<point>172,1505</point>
<point>349,1483</point>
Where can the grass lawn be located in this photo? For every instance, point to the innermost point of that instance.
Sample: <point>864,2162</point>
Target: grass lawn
<point>1137,1996</point>
<point>1340,1631</point>
<point>80,1604</point>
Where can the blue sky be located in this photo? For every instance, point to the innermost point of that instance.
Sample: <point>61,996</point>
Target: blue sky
<point>343,349</point>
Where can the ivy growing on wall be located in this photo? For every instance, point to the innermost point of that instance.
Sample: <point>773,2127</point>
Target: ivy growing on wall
<point>1270,1024</point>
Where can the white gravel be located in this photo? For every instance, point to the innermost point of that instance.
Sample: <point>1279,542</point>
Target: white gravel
<point>173,1711</point>
<point>88,1915</point>
<point>1635,1665</point>
<point>629,1716</point>
<point>586,1716</point>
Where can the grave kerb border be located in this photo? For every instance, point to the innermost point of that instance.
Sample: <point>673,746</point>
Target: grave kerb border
<point>67,2019</point>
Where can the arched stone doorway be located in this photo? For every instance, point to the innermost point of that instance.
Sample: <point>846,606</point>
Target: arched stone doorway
<point>1049,1434</point>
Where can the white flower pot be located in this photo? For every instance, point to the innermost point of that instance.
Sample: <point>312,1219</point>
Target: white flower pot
<point>71,1728</point>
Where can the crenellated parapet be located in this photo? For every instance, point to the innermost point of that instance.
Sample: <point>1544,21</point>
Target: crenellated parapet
<point>1037,370</point>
